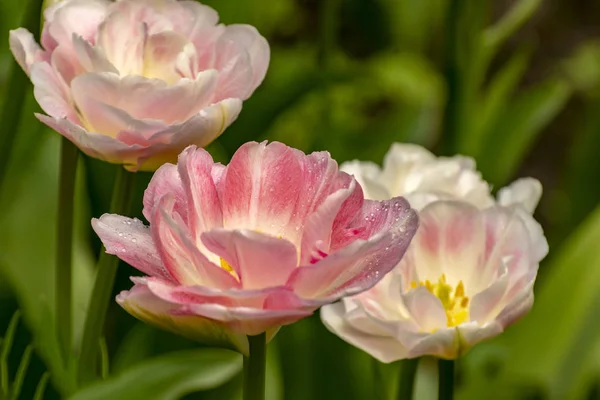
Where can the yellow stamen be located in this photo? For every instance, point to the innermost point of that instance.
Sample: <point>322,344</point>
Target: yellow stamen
<point>453,299</point>
<point>225,265</point>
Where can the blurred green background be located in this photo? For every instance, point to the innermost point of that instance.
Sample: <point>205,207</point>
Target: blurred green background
<point>514,84</point>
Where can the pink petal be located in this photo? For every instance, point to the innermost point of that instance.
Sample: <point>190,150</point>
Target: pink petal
<point>248,321</point>
<point>199,130</point>
<point>165,180</point>
<point>259,260</point>
<point>191,17</point>
<point>274,298</point>
<point>204,207</point>
<point>183,260</point>
<point>162,54</point>
<point>51,93</point>
<point>384,349</point>
<point>123,39</point>
<point>142,98</point>
<point>319,224</point>
<point>450,241</point>
<point>144,305</point>
<point>95,145</point>
<point>518,307</point>
<point>352,269</point>
<point>80,17</point>
<point>261,189</point>
<point>65,63</point>
<point>91,58</point>
<point>130,240</point>
<point>246,37</point>
<point>24,48</point>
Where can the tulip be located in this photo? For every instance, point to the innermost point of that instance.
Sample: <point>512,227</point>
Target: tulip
<point>134,82</point>
<point>468,273</point>
<point>245,248</point>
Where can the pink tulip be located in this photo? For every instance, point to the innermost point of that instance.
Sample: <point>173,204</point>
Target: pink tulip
<point>246,248</point>
<point>134,82</point>
<point>467,275</point>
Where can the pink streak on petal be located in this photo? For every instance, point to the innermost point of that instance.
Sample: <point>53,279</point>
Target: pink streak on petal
<point>166,180</point>
<point>259,260</point>
<point>261,189</point>
<point>204,207</point>
<point>181,257</point>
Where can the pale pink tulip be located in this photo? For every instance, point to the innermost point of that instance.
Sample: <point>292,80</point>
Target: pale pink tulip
<point>467,275</point>
<point>246,248</point>
<point>134,82</point>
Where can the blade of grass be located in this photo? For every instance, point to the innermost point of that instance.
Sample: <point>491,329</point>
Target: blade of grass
<point>15,391</point>
<point>6,347</point>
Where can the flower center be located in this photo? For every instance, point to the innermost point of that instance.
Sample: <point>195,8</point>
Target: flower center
<point>225,265</point>
<point>453,299</point>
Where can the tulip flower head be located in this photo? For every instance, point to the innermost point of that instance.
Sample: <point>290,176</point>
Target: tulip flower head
<point>245,248</point>
<point>134,82</point>
<point>468,273</point>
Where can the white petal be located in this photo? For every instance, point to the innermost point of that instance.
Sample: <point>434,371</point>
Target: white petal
<point>525,192</point>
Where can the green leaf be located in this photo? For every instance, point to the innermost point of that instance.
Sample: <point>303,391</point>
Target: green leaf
<point>494,101</point>
<point>7,342</point>
<point>168,377</point>
<point>41,387</point>
<point>519,126</point>
<point>510,22</point>
<point>15,390</point>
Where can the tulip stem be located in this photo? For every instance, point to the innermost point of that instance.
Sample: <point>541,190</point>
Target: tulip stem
<point>445,379</point>
<point>406,382</point>
<point>254,368</point>
<point>64,248</point>
<point>103,285</point>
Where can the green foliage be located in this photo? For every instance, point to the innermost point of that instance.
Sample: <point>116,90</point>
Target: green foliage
<point>168,377</point>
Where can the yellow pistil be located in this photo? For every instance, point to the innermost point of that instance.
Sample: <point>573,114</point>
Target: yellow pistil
<point>453,299</point>
<point>225,265</point>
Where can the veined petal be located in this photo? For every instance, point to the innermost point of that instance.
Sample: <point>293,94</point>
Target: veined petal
<point>261,189</point>
<point>51,93</point>
<point>182,259</point>
<point>204,208</point>
<point>426,309</point>
<point>166,180</point>
<point>259,260</point>
<point>91,58</point>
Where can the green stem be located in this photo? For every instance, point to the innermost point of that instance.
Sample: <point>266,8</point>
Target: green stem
<point>254,368</point>
<point>445,379</point>
<point>64,248</point>
<point>14,98</point>
<point>103,285</point>
<point>406,381</point>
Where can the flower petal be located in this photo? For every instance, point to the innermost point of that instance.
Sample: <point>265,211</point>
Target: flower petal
<point>367,174</point>
<point>25,49</point>
<point>204,206</point>
<point>180,256</point>
<point>450,241</point>
<point>426,309</point>
<point>248,321</point>
<point>261,189</point>
<point>352,269</point>
<point>144,305</point>
<point>166,180</point>
<point>51,93</point>
<point>130,240</point>
<point>259,260</point>
<point>525,192</point>
<point>384,349</point>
